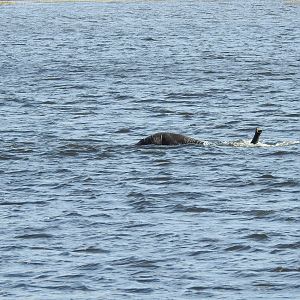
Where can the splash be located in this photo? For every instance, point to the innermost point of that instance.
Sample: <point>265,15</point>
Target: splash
<point>285,143</point>
<point>248,144</point>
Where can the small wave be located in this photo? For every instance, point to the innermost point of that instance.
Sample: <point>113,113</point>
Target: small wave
<point>123,130</point>
<point>265,285</point>
<point>9,203</point>
<point>133,225</point>
<point>138,290</point>
<point>259,213</point>
<point>268,176</point>
<point>238,248</point>
<point>286,143</point>
<point>200,252</point>
<point>63,287</point>
<point>136,263</point>
<point>191,209</point>
<point>223,287</point>
<point>279,144</point>
<point>5,156</point>
<point>257,236</point>
<point>288,246</point>
<point>283,269</point>
<point>163,162</point>
<point>91,250</point>
<point>76,149</point>
<point>279,152</point>
<point>147,280</point>
<point>149,39</point>
<point>74,214</point>
<point>90,266</point>
<point>35,236</point>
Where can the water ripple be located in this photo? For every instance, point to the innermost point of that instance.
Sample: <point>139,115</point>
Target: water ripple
<point>87,214</point>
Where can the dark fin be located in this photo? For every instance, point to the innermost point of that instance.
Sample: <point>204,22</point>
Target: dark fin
<point>257,134</point>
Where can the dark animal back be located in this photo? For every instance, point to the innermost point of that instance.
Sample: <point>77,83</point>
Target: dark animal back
<point>167,138</point>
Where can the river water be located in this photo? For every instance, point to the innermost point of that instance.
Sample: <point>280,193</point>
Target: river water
<point>85,214</point>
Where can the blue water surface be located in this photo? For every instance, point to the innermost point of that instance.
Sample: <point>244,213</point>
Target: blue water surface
<point>85,214</point>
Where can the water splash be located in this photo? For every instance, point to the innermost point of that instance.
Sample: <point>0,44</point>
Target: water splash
<point>248,144</point>
<point>237,143</point>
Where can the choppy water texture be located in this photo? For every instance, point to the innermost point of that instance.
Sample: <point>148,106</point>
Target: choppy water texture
<point>87,215</point>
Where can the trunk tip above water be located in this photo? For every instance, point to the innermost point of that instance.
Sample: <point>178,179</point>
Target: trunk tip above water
<point>257,134</point>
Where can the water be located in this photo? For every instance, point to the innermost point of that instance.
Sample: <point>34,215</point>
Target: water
<point>87,215</point>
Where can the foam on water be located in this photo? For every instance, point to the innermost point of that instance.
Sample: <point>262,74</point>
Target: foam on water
<point>247,144</point>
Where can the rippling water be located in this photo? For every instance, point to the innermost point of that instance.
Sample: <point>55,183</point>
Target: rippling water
<point>85,214</point>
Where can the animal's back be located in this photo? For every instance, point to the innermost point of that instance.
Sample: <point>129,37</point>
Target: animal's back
<point>168,138</point>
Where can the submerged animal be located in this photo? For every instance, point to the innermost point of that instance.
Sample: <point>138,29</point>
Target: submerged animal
<point>169,138</point>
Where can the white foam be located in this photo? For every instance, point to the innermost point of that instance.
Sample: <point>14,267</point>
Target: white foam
<point>286,143</point>
<point>239,143</point>
<point>247,143</point>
